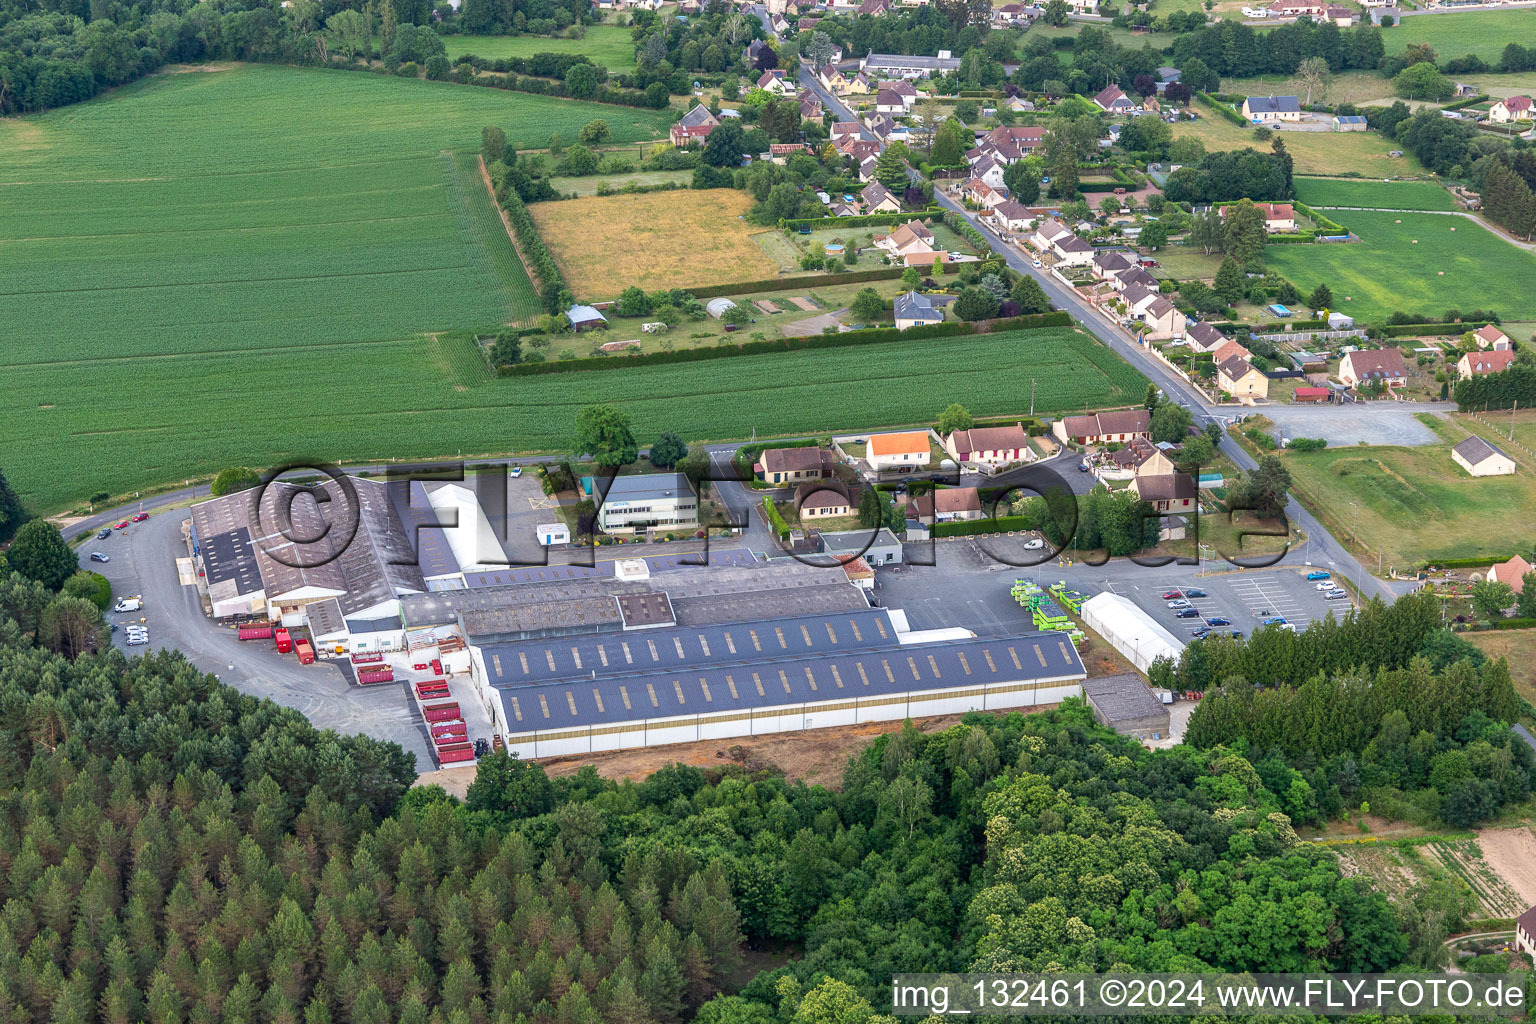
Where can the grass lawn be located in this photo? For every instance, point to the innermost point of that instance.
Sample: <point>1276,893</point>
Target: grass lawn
<point>1358,87</point>
<point>1388,195</point>
<point>1518,648</point>
<point>608,45</point>
<point>1415,503</point>
<point>192,260</point>
<point>587,186</point>
<point>1481,33</point>
<point>1186,263</point>
<point>1314,152</point>
<point>1387,271</point>
<point>604,244</point>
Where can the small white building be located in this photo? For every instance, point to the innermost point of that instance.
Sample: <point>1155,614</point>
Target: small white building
<point>1480,458</point>
<point>551,534</point>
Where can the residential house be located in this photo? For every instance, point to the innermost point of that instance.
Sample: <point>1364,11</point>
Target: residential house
<point>780,152</point>
<point>1020,105</point>
<point>753,50</point>
<point>947,505</point>
<point>873,8</point>
<point>1238,378</point>
<point>1151,105</point>
<point>1511,108</point>
<point>1491,337</point>
<point>1480,458</point>
<point>1103,427</point>
<point>585,318</point>
<point>902,87</point>
<point>1047,232</point>
<point>777,82</point>
<point>1010,14</point>
<point>909,237</point>
<point>1349,123</point>
<point>1278,217</point>
<point>904,452</point>
<point>843,132</point>
<point>989,171</point>
<point>878,199</point>
<point>888,102</point>
<point>983,194</point>
<point>1365,365</point>
<point>1202,337</point>
<point>793,465</point>
<point>989,446</point>
<point>1083,6</point>
<point>1260,109</point>
<point>1512,572</point>
<point>1173,492</point>
<point>1113,101</point>
<point>1163,319</point>
<point>693,127</point>
<point>1297,8</point>
<point>1165,77</point>
<point>1013,216</point>
<point>1228,349</point>
<point>1108,263</point>
<point>1385,13</point>
<point>817,499</point>
<point>1135,277</point>
<point>900,65</point>
<point>779,24</point>
<point>1138,299</point>
<point>1134,458</point>
<point>1007,143</point>
<point>1343,17</point>
<point>914,309</point>
<point>647,500</point>
<point>1525,931</point>
<point>832,79</point>
<point>1072,251</point>
<point>1475,364</point>
<point>810,110</point>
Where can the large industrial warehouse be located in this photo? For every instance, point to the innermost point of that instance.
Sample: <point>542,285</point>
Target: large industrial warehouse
<point>578,695</point>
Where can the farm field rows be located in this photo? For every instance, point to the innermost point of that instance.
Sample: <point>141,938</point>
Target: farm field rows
<point>608,45</point>
<point>604,244</point>
<point>175,416</point>
<point>1480,33</point>
<point>1394,195</point>
<point>195,234</point>
<point>1455,264</point>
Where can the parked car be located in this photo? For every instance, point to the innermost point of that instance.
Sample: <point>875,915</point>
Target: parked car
<point>1187,613</point>
<point>517,471</point>
<point>128,604</point>
<point>99,556</point>
<point>1318,574</point>
<point>135,641</point>
<point>1275,620</point>
<point>1335,595</point>
<point>1194,592</point>
<point>1037,264</point>
<point>1034,545</point>
<point>1329,585</point>
<point>140,517</point>
<point>1217,620</point>
<point>121,526</point>
<point>1179,604</point>
<point>1237,634</point>
<point>104,534</point>
<point>1202,632</point>
<point>1169,595</point>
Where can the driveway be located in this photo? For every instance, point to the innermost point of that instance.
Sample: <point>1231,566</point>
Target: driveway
<point>812,326</point>
<point>1392,423</point>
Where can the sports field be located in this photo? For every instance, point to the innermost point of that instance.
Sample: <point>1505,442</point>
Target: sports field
<point>608,45</point>
<point>654,240</point>
<point>1481,33</point>
<point>1414,263</point>
<point>290,234</point>
<point>1385,195</point>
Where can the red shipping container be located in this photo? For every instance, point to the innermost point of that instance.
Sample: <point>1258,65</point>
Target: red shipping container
<point>255,633</point>
<point>441,712</point>
<point>366,659</point>
<point>450,733</point>
<point>376,675</point>
<point>284,642</point>
<point>437,667</point>
<point>451,755</point>
<point>305,652</point>
<point>433,693</point>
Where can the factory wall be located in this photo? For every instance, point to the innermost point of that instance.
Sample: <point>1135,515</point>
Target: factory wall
<point>783,718</point>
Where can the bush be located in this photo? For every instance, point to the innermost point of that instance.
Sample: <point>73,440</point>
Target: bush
<point>967,527</point>
<point>775,520</point>
<point>1307,444</point>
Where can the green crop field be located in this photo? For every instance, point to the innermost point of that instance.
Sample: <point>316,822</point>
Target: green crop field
<point>1481,33</point>
<point>1414,263</point>
<point>1386,195</point>
<point>292,234</point>
<point>608,45</point>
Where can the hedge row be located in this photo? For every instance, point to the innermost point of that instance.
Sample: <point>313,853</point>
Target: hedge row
<point>1326,224</point>
<point>775,520</point>
<point>872,336</point>
<point>861,221</point>
<point>550,281</point>
<point>1223,109</point>
<point>1515,624</point>
<point>957,223</point>
<point>967,527</point>
<point>1409,330</point>
<point>1465,563</point>
<point>1472,101</point>
<point>778,284</point>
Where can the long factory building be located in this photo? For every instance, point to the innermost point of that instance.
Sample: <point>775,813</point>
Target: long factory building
<point>583,694</point>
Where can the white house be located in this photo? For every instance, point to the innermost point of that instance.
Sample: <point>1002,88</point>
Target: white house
<point>914,309</point>
<point>905,451</point>
<point>1480,458</point>
<point>1260,109</point>
<point>1511,108</point>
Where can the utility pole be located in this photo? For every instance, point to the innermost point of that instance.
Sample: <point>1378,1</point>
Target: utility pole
<point>1511,415</point>
<point>1032,404</point>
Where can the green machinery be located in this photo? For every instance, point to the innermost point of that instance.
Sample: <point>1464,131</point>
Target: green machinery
<point>1045,610</point>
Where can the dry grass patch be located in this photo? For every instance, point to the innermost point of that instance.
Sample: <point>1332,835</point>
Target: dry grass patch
<point>604,244</point>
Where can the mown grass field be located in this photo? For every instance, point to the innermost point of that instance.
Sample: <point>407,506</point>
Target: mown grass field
<point>1389,195</point>
<point>1481,33</point>
<point>1314,152</point>
<point>1415,503</point>
<point>1386,271</point>
<point>196,260</point>
<point>604,244</point>
<point>608,45</point>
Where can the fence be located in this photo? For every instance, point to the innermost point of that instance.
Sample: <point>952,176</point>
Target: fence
<point>1355,332</point>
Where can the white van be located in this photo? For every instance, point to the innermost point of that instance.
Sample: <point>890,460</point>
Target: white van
<point>128,604</point>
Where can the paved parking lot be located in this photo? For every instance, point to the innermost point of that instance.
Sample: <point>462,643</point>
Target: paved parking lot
<point>1245,598</point>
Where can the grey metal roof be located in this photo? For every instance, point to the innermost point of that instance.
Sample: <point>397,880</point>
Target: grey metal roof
<point>420,521</point>
<point>915,306</point>
<point>854,541</point>
<point>228,557</point>
<point>325,617</point>
<point>1123,698</point>
<point>791,679</point>
<point>685,649</point>
<point>1474,449</point>
<point>646,487</point>
<point>880,61</point>
<point>830,595</point>
<point>1273,104</point>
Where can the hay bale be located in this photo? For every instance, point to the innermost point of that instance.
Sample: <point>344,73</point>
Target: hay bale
<point>1439,273</point>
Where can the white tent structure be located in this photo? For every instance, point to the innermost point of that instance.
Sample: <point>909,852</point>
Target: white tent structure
<point>1130,630</point>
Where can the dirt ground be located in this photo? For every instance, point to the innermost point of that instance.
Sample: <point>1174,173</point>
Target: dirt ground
<point>818,755</point>
<point>1512,853</point>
